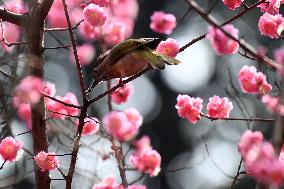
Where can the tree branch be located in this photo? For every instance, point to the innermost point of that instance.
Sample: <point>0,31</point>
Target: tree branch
<point>11,17</point>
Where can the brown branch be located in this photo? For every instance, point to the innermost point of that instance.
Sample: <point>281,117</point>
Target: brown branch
<point>61,102</point>
<point>83,113</point>
<point>243,44</point>
<point>120,84</point>
<point>238,119</point>
<point>11,17</point>
<point>63,29</point>
<point>44,8</point>
<point>235,17</point>
<point>58,47</point>
<point>237,175</point>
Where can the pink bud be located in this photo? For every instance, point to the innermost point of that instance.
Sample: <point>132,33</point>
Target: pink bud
<point>219,107</point>
<point>253,82</point>
<point>163,23</point>
<point>94,15</point>
<point>10,149</point>
<point>46,161</point>
<point>170,47</point>
<point>233,4</point>
<point>189,107</point>
<point>222,44</point>
<point>270,25</point>
<point>122,94</point>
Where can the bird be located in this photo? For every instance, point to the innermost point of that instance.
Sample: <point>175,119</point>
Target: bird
<point>129,58</point>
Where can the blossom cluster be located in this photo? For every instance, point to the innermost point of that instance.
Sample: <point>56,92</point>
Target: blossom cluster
<point>260,159</point>
<point>47,161</point>
<point>144,158</point>
<point>123,125</point>
<point>190,107</point>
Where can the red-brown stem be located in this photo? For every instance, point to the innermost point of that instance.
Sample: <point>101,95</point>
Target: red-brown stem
<point>239,119</point>
<point>118,151</point>
<point>83,113</point>
<point>243,44</point>
<point>235,17</point>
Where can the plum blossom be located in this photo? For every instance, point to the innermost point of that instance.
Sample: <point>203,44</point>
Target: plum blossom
<point>272,104</point>
<point>101,3</point>
<point>145,159</point>
<point>10,149</point>
<point>222,44</point>
<point>279,58</point>
<point>108,183</point>
<point>86,54</point>
<point>123,125</point>
<point>58,110</point>
<point>162,22</point>
<point>91,126</point>
<point>28,91</point>
<point>253,82</point>
<point>24,112</point>
<point>233,4</point>
<point>11,34</point>
<point>94,15</point>
<point>189,107</point>
<point>170,47</point>
<point>270,6</point>
<point>122,94</point>
<point>47,161</point>
<point>89,32</point>
<point>260,159</point>
<point>219,107</point>
<point>271,25</point>
<point>114,32</point>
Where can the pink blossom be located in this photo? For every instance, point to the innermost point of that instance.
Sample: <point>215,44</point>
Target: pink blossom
<point>272,104</point>
<point>49,88</point>
<point>222,44</point>
<point>149,162</point>
<point>233,4</point>
<point>189,107</point>
<point>252,81</point>
<point>114,32</point>
<point>122,94</point>
<point>91,126</point>
<point>86,54</point>
<point>10,149</point>
<point>89,32</point>
<point>131,6</point>
<point>142,145</point>
<point>271,25</point>
<point>24,112</point>
<point>119,126</point>
<point>219,107</point>
<point>101,3</point>
<point>58,110</point>
<point>108,183</point>
<point>11,33</point>
<point>94,15</point>
<point>170,47</point>
<point>163,23</point>
<point>270,6</point>
<point>47,161</point>
<point>279,58</point>
<point>136,187</point>
<point>134,117</point>
<point>248,140</point>
<point>29,90</point>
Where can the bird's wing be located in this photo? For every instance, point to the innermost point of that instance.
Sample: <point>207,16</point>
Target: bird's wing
<point>155,59</point>
<point>127,47</point>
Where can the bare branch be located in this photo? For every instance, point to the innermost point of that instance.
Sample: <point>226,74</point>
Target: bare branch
<point>11,17</point>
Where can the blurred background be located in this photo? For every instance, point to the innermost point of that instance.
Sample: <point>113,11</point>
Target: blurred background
<point>200,156</point>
